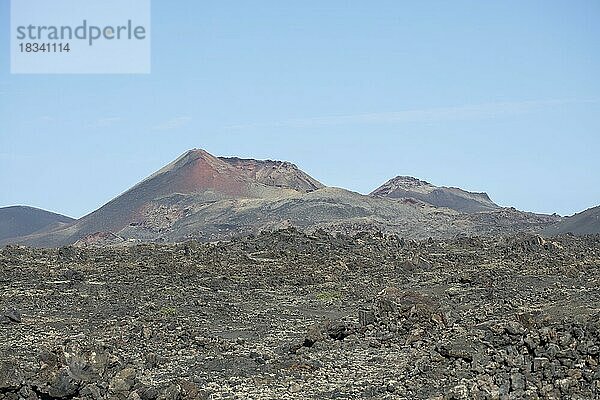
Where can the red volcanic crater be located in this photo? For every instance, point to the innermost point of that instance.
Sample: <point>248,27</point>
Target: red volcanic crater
<point>195,177</point>
<point>198,171</point>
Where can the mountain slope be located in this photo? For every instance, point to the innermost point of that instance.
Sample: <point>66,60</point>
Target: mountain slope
<point>18,221</point>
<point>583,223</point>
<point>340,210</point>
<point>149,205</point>
<point>199,196</point>
<point>275,173</point>
<point>453,198</point>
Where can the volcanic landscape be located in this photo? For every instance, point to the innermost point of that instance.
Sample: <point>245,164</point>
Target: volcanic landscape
<point>228,278</point>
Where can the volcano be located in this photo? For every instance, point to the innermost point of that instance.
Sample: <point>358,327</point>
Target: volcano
<point>449,197</point>
<point>202,197</point>
<point>18,221</point>
<point>197,179</point>
<point>584,223</point>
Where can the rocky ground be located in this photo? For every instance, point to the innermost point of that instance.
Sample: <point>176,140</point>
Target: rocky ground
<point>286,315</point>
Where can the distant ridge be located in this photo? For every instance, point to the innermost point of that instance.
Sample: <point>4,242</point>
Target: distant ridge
<point>202,197</point>
<point>449,197</point>
<point>584,223</point>
<point>18,221</point>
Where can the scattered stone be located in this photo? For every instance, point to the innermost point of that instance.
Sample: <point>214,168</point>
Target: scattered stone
<point>366,317</point>
<point>73,275</point>
<point>229,319</point>
<point>295,388</point>
<point>148,393</point>
<point>13,315</point>
<point>462,348</point>
<point>10,377</point>
<point>123,381</point>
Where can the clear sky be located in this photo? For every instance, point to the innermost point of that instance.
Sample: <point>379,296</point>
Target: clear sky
<point>495,96</point>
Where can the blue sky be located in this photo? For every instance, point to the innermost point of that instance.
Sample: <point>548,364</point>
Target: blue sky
<point>502,97</point>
